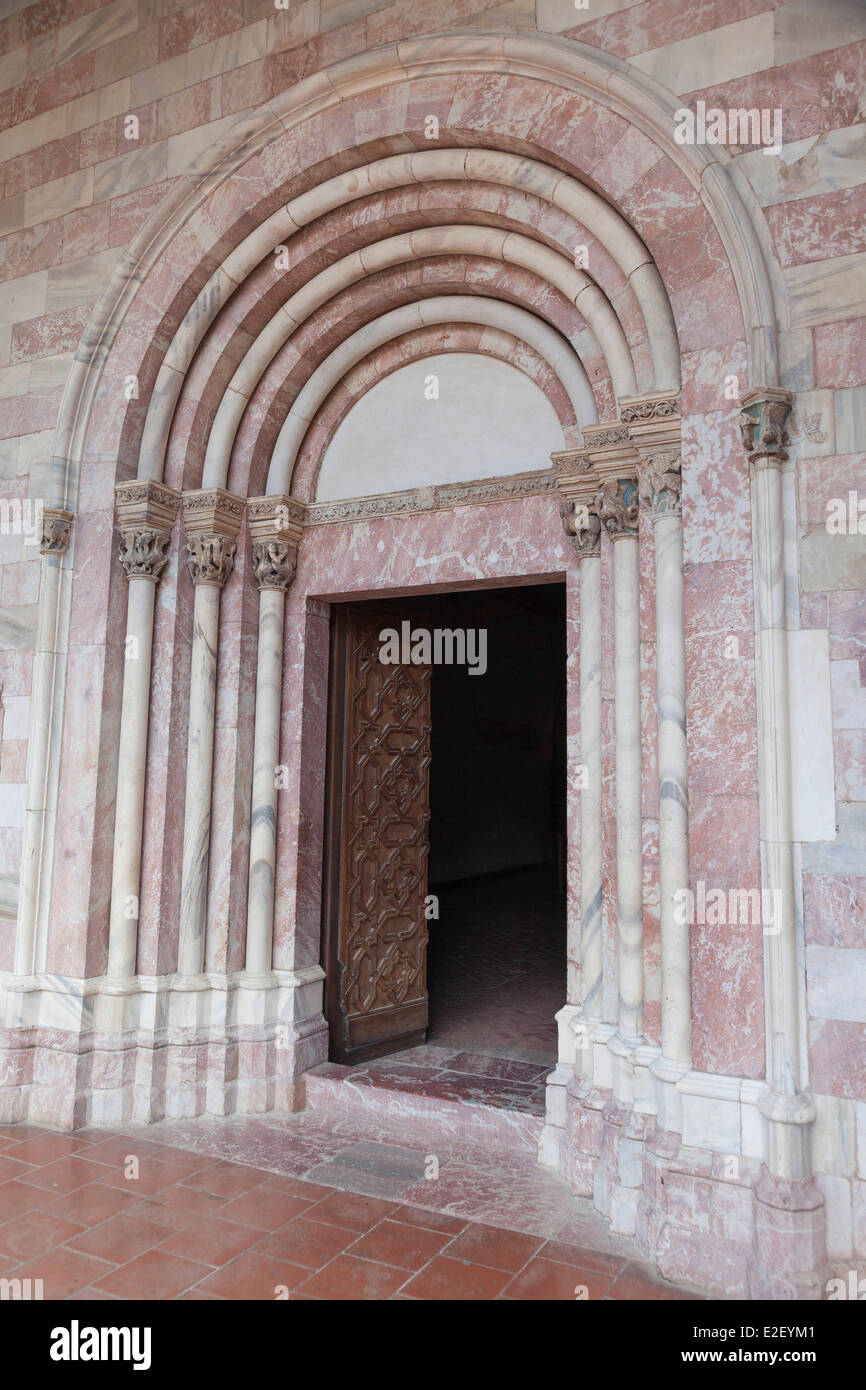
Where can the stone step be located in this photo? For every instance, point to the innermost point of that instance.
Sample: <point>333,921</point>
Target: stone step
<point>433,1103</point>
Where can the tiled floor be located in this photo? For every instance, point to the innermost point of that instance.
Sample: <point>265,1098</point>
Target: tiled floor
<point>496,965</point>
<point>298,1207</point>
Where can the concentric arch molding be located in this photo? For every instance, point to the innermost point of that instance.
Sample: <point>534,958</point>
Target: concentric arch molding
<point>560,62</point>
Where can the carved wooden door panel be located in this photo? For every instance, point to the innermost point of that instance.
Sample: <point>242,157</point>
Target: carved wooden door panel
<point>377,842</point>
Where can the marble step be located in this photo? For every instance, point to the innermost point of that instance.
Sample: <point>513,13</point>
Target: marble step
<point>433,1103</point>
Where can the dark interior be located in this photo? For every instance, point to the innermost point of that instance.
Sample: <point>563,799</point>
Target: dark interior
<point>496,960</point>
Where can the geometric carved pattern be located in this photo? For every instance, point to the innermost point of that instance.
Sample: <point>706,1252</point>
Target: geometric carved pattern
<point>383,929</point>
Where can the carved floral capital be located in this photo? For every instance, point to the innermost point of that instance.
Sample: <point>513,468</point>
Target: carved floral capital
<point>142,552</point>
<point>56,530</point>
<point>210,558</point>
<point>617,503</point>
<point>582,524</point>
<point>763,426</point>
<point>275,563</point>
<point>659,479</point>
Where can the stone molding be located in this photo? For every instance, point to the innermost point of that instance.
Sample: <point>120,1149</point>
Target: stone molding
<point>56,530</point>
<point>438,497</point>
<point>655,430</point>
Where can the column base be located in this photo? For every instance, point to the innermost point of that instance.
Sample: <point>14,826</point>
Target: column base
<point>690,1182</point>
<point>79,1052</point>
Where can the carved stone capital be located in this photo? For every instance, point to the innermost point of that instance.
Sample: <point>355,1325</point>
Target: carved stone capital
<point>582,524</point>
<point>210,558</point>
<point>212,518</point>
<point>763,420</point>
<point>56,530</point>
<point>275,563</point>
<point>617,503</point>
<point>143,552</point>
<point>659,480</point>
<point>145,512</point>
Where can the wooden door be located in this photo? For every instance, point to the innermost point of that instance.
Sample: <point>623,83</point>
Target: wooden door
<point>377,842</point>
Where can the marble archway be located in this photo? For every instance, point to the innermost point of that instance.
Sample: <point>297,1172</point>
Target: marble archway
<point>204,375</point>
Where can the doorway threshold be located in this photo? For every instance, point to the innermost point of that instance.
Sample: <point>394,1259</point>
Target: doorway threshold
<point>438,1093</point>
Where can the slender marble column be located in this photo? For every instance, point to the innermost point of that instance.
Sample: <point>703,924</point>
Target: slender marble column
<point>579,484</point>
<point>40,819</point>
<point>654,426</point>
<point>145,515</point>
<point>275,525</point>
<point>212,518</point>
<point>618,508</point>
<point>788,1111</point>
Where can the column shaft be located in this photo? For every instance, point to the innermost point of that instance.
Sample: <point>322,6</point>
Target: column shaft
<point>132,758</point>
<point>212,518</point>
<point>629,849</point>
<point>146,512</point>
<point>263,827</point>
<point>676,1033</point>
<point>592,945</point>
<point>39,823</point>
<point>199,774</point>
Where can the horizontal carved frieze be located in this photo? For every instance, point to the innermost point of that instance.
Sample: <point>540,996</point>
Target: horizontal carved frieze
<point>428,499</point>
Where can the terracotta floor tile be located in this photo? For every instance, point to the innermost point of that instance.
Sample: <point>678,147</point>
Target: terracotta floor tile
<point>392,1243</point>
<point>639,1282</point>
<point>356,1213</point>
<point>23,1131</point>
<point>34,1233</point>
<point>213,1242</point>
<point>450,1279</point>
<point>185,1160</point>
<point>154,1275</point>
<point>431,1220</point>
<point>115,1149</point>
<point>62,1271</point>
<point>46,1148</point>
<point>89,1205</point>
<point>307,1243</point>
<point>491,1246</point>
<point>92,1296</point>
<point>224,1179</point>
<point>177,1207</point>
<point>253,1275</point>
<point>349,1278</point>
<point>66,1174</point>
<point>153,1175</point>
<point>298,1187</point>
<point>119,1239</point>
<point>266,1208</point>
<point>545,1279</point>
<point>18,1197</point>
<point>11,1168</point>
<point>564,1253</point>
<point>94,1134</point>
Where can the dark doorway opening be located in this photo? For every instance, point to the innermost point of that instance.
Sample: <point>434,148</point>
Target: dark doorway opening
<point>444,896</point>
<point>496,961</point>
